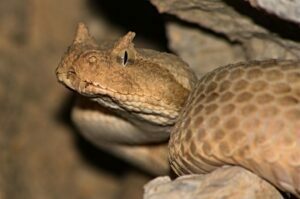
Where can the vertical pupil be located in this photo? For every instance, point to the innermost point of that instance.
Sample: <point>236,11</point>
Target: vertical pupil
<point>125,59</point>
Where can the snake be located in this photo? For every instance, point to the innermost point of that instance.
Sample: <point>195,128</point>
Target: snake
<point>149,107</point>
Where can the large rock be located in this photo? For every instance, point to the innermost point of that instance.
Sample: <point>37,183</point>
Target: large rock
<point>288,10</point>
<point>226,182</point>
<point>207,34</point>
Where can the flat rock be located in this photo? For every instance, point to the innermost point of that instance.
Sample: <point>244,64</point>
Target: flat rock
<point>225,182</point>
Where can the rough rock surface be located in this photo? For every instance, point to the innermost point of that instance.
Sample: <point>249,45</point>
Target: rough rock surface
<point>229,182</point>
<point>238,31</point>
<point>202,50</point>
<point>288,10</point>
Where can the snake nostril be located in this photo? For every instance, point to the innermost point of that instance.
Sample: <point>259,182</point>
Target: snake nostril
<point>71,72</point>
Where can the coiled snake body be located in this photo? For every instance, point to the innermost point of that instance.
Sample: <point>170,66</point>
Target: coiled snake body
<point>245,114</point>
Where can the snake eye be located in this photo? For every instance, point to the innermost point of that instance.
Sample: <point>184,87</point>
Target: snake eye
<point>125,57</point>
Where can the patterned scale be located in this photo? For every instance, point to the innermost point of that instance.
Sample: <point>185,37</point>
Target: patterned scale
<point>243,114</point>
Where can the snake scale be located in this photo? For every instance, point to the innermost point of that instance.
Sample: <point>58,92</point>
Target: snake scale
<point>244,114</point>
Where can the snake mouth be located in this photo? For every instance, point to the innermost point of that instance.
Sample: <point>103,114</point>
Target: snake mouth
<point>86,88</point>
<point>107,97</point>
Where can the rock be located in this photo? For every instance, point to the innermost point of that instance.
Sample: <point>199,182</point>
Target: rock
<point>225,182</point>
<point>206,52</point>
<point>288,10</point>
<point>207,33</point>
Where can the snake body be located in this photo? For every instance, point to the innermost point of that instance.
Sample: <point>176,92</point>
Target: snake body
<point>244,114</point>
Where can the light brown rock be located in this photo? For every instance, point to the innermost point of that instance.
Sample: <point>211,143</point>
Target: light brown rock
<point>230,182</point>
<point>201,50</point>
<point>228,31</point>
<point>288,10</point>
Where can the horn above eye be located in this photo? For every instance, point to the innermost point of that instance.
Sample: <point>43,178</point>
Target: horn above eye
<point>83,35</point>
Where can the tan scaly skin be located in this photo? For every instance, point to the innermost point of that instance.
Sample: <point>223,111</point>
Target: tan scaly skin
<point>246,114</point>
